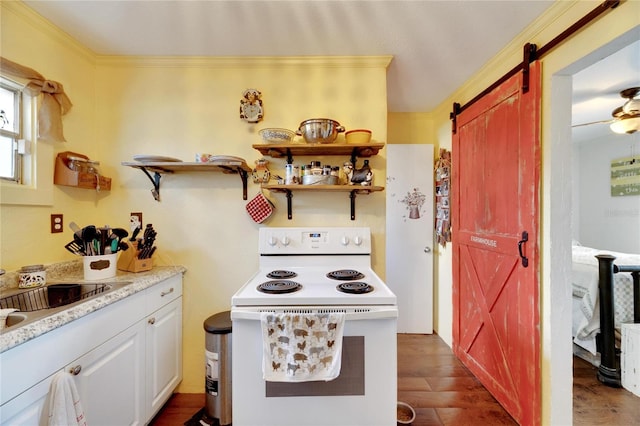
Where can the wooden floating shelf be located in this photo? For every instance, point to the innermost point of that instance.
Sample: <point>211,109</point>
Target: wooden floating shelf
<point>351,189</point>
<point>327,188</point>
<point>63,175</point>
<point>157,168</point>
<point>290,149</point>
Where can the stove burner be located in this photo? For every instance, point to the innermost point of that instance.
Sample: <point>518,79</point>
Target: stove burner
<point>354,287</point>
<point>281,274</point>
<point>279,286</point>
<point>345,275</point>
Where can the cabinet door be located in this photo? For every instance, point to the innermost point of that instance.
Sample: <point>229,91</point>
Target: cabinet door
<point>110,380</point>
<point>27,409</point>
<point>164,354</point>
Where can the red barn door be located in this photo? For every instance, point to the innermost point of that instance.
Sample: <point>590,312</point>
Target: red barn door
<point>495,202</point>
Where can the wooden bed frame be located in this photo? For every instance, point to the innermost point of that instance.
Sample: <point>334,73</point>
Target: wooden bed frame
<point>609,370</point>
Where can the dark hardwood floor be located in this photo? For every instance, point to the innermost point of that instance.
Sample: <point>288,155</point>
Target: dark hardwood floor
<point>443,392</point>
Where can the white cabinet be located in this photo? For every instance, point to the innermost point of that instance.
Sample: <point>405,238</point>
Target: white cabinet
<point>110,380</point>
<point>164,354</point>
<point>27,409</point>
<point>126,358</point>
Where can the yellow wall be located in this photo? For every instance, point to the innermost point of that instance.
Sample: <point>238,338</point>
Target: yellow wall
<point>181,107</point>
<point>30,41</point>
<point>560,16</point>
<point>178,107</point>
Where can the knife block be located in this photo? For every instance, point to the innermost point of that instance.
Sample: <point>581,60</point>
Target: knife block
<point>129,261</point>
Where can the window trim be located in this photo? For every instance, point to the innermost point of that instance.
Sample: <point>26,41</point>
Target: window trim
<point>15,134</point>
<point>36,187</point>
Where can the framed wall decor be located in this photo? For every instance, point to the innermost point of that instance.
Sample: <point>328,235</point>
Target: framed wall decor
<point>443,194</point>
<point>625,176</point>
<point>251,106</point>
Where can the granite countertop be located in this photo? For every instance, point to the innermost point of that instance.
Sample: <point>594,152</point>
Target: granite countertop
<point>128,283</point>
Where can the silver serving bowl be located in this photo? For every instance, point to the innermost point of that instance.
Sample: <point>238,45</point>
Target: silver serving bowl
<point>320,130</point>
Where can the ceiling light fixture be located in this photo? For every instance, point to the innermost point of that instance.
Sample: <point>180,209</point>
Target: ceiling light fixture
<point>626,124</point>
<point>627,117</point>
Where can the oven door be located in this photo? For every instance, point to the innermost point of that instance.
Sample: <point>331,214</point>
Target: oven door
<point>365,393</point>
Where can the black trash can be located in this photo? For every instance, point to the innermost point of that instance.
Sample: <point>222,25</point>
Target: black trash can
<point>218,367</point>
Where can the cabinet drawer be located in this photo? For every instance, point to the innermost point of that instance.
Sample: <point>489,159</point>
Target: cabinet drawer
<point>163,293</point>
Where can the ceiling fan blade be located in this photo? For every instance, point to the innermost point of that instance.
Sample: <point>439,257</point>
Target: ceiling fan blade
<point>593,122</point>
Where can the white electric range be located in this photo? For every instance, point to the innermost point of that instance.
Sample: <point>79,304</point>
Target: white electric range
<point>317,270</point>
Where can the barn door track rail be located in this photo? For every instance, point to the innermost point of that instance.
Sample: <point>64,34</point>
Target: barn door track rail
<point>530,54</point>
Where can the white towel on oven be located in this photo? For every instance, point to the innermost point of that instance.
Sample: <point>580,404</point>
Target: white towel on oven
<point>301,347</point>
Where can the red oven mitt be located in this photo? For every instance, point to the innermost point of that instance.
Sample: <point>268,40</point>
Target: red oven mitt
<point>260,208</point>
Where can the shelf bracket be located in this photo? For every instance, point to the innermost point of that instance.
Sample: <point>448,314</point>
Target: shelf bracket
<point>155,180</point>
<point>354,157</point>
<point>244,176</point>
<point>289,198</point>
<point>352,195</point>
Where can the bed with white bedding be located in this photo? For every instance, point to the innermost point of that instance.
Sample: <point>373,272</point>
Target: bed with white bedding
<point>586,310</point>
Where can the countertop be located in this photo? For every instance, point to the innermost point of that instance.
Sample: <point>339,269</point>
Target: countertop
<point>72,271</point>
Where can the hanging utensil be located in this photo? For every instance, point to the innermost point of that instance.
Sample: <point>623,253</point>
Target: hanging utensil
<point>135,234</point>
<point>75,248</point>
<point>120,233</point>
<point>89,233</point>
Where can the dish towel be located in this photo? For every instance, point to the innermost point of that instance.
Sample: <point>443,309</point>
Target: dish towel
<point>65,408</point>
<point>301,347</point>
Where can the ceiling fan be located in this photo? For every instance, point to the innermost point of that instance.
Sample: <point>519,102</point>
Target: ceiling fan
<point>626,118</point>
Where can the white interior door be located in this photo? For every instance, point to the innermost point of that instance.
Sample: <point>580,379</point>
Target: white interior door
<point>409,236</point>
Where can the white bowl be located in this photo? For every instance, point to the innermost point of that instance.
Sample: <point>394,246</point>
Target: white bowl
<point>276,135</point>
<point>405,413</point>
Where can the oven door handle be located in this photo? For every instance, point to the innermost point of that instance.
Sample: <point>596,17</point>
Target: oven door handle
<point>351,313</point>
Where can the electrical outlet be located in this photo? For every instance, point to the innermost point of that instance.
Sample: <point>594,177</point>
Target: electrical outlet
<point>56,223</point>
<point>135,221</point>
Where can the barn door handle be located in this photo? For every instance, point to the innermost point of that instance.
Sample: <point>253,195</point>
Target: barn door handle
<point>525,238</point>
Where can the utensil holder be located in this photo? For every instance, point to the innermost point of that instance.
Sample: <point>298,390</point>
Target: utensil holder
<point>129,260</point>
<point>99,267</point>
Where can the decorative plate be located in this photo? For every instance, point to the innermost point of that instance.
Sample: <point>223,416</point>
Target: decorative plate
<point>251,106</point>
<point>155,159</point>
<point>215,158</point>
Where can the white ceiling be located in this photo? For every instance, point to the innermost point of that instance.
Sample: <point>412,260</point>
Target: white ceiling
<point>596,91</point>
<point>436,45</point>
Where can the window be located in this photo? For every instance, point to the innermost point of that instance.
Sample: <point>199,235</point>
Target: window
<point>26,166</point>
<point>11,132</point>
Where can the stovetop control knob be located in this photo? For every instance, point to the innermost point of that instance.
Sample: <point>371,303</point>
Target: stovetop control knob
<point>345,240</point>
<point>357,240</point>
<point>285,241</point>
<point>272,241</point>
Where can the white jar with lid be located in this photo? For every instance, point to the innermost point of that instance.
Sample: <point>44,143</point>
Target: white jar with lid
<point>32,276</point>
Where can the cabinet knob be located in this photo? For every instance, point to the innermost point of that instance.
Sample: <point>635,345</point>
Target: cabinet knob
<point>427,249</point>
<point>152,321</point>
<point>164,293</point>
<point>75,370</point>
